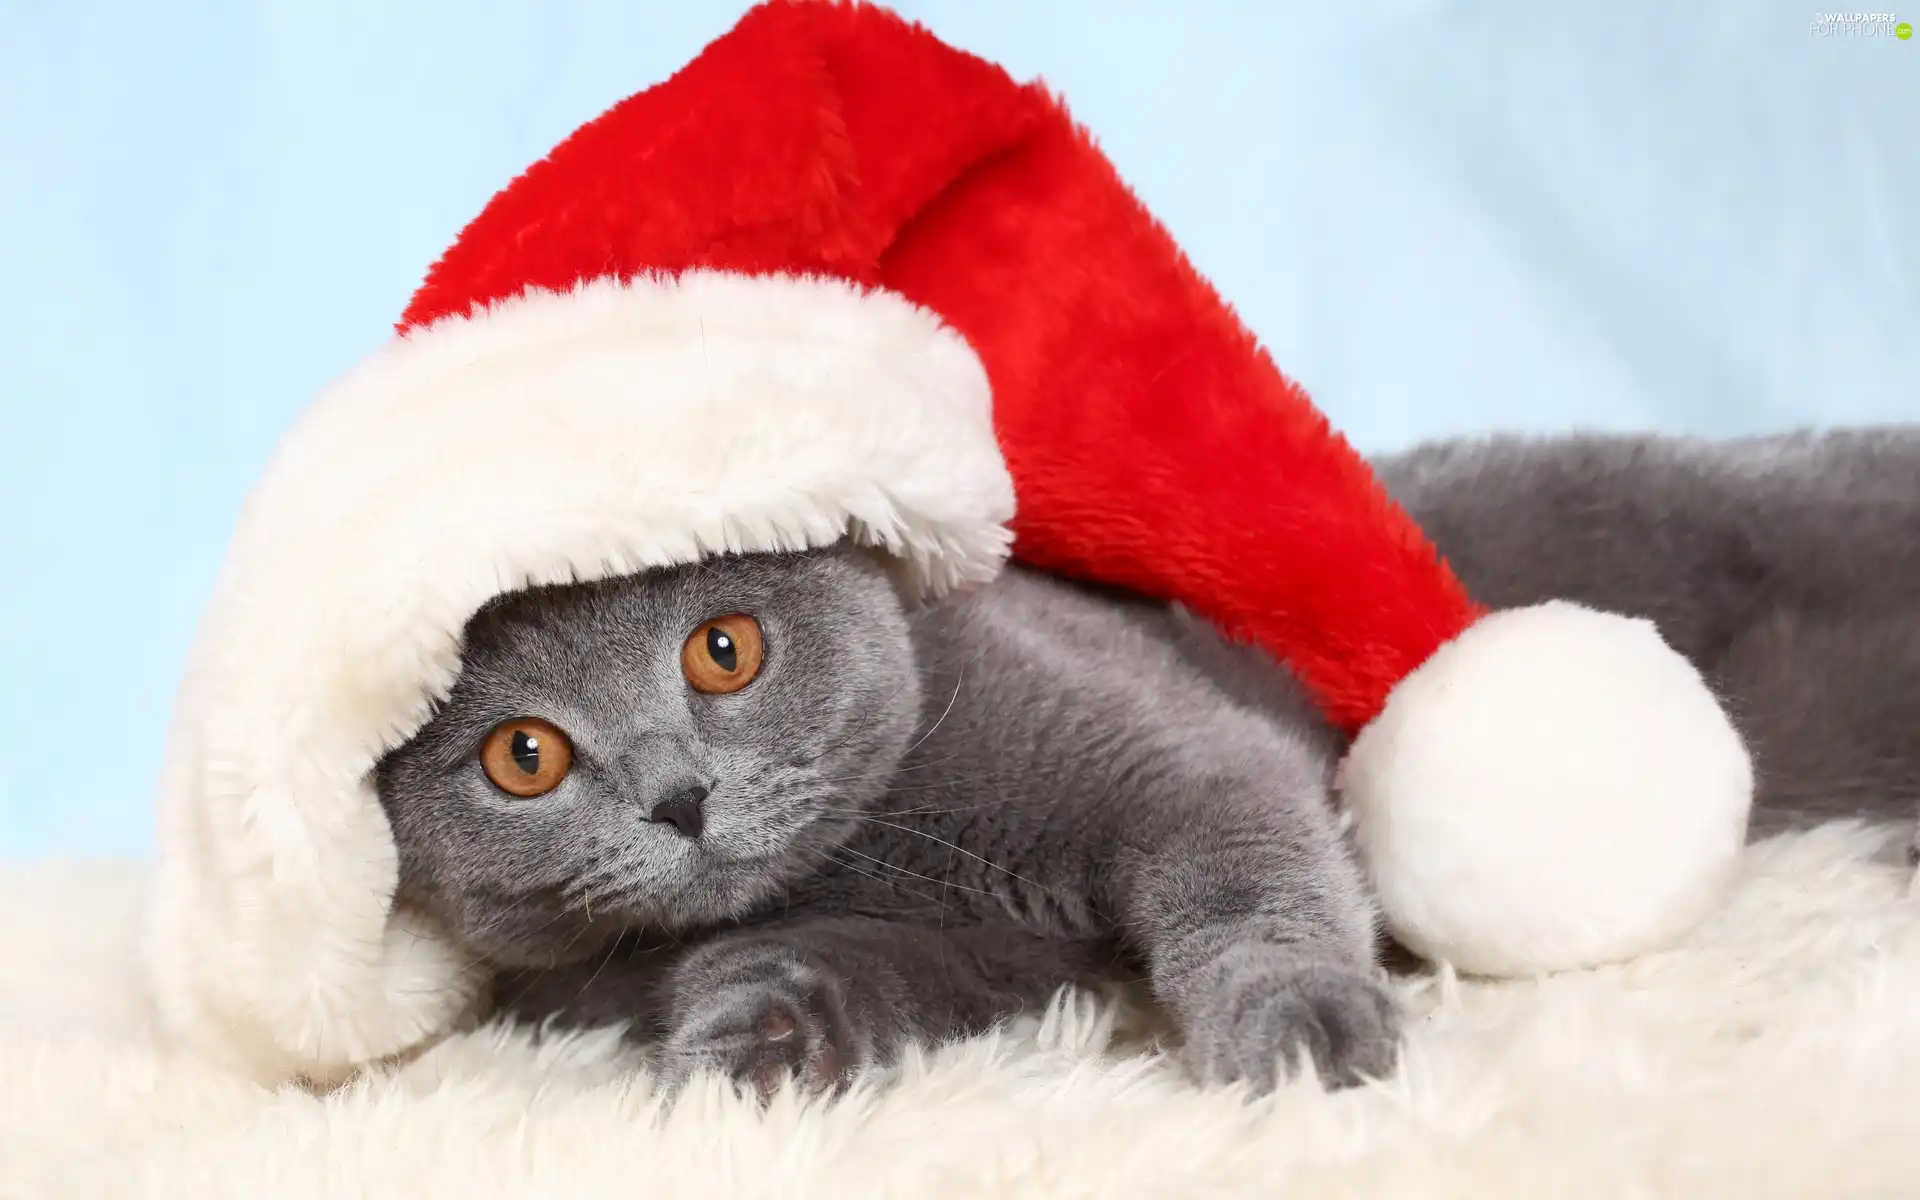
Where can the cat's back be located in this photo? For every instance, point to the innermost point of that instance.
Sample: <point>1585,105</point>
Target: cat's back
<point>1705,536</point>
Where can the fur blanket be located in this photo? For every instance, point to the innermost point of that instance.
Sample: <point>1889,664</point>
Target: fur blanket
<point>1777,1054</point>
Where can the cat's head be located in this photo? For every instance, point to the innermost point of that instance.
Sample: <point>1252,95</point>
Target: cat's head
<point>658,751</point>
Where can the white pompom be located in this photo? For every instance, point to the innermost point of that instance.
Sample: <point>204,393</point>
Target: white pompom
<point>1555,788</point>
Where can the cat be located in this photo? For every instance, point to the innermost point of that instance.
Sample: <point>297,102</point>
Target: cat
<point>763,812</point>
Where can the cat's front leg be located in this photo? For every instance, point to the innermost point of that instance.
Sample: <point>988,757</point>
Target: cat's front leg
<point>1257,935</point>
<point>762,1012</point>
<point>1257,1009</point>
<point>819,999</point>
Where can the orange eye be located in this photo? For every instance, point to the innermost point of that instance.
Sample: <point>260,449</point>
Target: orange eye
<point>526,757</point>
<point>723,655</point>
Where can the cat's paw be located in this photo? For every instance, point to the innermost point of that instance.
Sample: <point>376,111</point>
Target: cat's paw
<point>766,1032</point>
<point>1257,1009</point>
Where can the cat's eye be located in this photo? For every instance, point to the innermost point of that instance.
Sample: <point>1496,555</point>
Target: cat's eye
<point>526,757</point>
<point>723,655</point>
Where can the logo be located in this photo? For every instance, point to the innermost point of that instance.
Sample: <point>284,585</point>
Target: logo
<point>1859,25</point>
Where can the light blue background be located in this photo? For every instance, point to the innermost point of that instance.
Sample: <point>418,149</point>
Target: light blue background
<point>1441,217</point>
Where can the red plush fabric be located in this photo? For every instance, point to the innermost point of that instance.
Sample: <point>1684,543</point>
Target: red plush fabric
<point>1153,443</point>
<point>799,141</point>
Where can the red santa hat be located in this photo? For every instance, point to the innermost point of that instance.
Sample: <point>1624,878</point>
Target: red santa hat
<point>836,280</point>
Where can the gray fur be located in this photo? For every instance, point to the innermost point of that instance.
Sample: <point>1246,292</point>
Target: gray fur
<point>921,823</point>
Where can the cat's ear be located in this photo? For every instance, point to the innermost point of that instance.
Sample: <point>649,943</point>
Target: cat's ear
<point>898,579</point>
<point>908,588</point>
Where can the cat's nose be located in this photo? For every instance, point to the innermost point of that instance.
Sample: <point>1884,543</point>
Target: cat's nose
<point>685,810</point>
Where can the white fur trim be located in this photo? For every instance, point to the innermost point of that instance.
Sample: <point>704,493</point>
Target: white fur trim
<point>1555,788</point>
<point>552,438</point>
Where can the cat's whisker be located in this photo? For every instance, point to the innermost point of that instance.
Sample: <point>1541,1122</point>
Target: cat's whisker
<point>961,849</point>
<point>860,726</point>
<point>935,811</point>
<point>612,950</point>
<point>959,679</point>
<point>868,777</point>
<point>969,781</point>
<point>929,810</point>
<point>511,910</point>
<point>959,782</point>
<point>945,883</point>
<point>884,882</point>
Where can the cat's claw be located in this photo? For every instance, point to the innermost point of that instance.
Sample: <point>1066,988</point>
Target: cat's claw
<point>1913,865</point>
<point>1257,1010</point>
<point>766,1035</point>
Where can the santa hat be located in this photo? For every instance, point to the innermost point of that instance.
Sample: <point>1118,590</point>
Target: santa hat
<point>836,280</point>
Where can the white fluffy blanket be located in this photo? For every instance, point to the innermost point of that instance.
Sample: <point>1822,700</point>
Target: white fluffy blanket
<point>1778,1054</point>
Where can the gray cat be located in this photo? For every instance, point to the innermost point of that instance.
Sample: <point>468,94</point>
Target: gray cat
<point>758,810</point>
